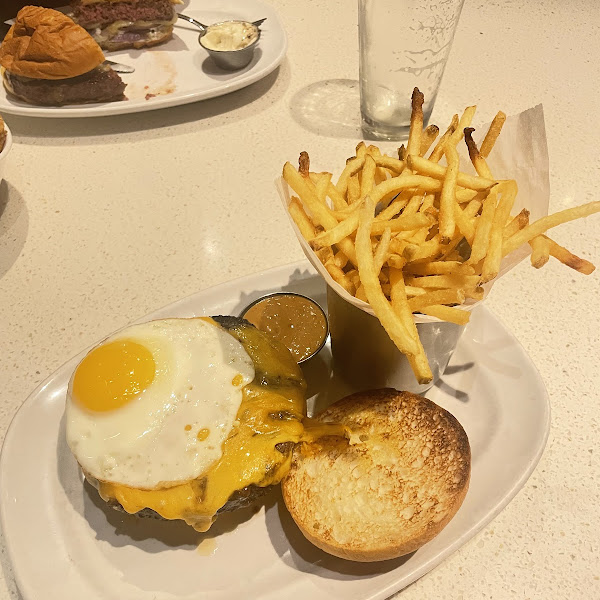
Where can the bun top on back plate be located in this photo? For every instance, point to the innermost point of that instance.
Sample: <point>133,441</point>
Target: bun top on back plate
<point>46,44</point>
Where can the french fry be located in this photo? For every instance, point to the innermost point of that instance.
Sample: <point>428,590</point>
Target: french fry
<point>465,225</point>
<point>459,132</point>
<point>337,200</point>
<point>448,314</point>
<point>478,161</point>
<point>427,250</point>
<point>542,225</point>
<point>492,135</point>
<point>483,227</point>
<point>336,234</point>
<point>322,185</point>
<point>304,224</point>
<point>396,262</point>
<point>390,163</point>
<point>324,254</point>
<point>414,291</point>
<point>540,251</point>
<point>402,223</point>
<point>304,164</point>
<point>491,262</point>
<point>443,281</point>
<point>382,252</point>
<point>413,146</point>
<point>393,209</point>
<point>379,303</point>
<point>431,169</point>
<point>427,203</point>
<point>341,260</point>
<point>340,277</point>
<point>520,221</point>
<point>568,258</point>
<point>447,201</point>
<point>428,137</point>
<point>368,176</point>
<point>353,189</point>
<point>360,293</point>
<point>469,211</point>
<point>444,267</point>
<point>438,151</point>
<point>404,182</point>
<point>354,277</point>
<point>418,362</point>
<point>352,167</point>
<point>447,296</point>
<point>476,293</point>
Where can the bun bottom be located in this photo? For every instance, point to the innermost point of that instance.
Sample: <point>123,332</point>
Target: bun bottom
<point>389,493</point>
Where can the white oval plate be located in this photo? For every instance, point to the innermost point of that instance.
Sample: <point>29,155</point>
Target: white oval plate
<point>180,71</point>
<point>65,544</point>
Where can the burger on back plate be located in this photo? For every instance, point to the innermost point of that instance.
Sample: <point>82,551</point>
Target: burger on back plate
<point>49,60</point>
<point>120,24</point>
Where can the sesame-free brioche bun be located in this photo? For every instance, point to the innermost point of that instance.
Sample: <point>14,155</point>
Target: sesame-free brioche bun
<point>45,44</point>
<point>390,493</point>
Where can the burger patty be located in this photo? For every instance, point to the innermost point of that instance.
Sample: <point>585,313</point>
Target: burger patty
<point>104,13</point>
<point>101,84</point>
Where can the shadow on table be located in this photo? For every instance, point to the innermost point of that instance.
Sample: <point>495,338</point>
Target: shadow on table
<point>11,585</point>
<point>297,552</point>
<point>329,108</point>
<point>14,225</point>
<point>153,124</point>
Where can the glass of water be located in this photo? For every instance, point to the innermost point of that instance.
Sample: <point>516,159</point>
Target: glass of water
<point>403,44</point>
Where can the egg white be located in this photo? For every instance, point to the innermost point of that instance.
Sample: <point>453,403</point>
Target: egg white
<point>145,443</point>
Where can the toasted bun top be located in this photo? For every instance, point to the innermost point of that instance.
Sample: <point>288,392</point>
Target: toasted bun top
<point>390,493</point>
<point>45,44</point>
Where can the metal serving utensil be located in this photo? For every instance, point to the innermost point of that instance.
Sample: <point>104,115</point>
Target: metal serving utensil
<point>203,26</point>
<point>119,67</point>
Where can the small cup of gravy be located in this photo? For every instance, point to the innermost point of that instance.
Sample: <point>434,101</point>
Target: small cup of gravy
<point>295,320</point>
<point>230,43</point>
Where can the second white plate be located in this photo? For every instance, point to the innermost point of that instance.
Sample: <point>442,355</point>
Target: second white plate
<point>491,387</point>
<point>180,71</point>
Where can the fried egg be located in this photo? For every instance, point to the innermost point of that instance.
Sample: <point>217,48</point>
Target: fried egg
<point>152,405</point>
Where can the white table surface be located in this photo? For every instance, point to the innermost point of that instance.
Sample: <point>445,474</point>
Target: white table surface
<point>104,220</point>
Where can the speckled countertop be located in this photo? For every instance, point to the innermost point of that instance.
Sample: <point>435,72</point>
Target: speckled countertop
<point>103,221</point>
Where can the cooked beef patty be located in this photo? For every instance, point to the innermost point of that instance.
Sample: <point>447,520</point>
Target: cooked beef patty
<point>101,84</point>
<point>104,13</point>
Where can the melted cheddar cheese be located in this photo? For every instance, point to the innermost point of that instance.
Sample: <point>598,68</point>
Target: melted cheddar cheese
<point>271,414</point>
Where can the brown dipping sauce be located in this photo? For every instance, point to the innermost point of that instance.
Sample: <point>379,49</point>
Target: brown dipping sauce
<point>296,321</point>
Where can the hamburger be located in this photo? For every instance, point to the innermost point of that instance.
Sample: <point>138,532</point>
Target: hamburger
<point>120,24</point>
<point>48,60</point>
<point>185,418</point>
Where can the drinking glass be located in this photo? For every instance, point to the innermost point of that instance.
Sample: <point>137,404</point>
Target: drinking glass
<point>403,44</point>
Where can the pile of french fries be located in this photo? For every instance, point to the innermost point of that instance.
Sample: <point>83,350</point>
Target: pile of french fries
<point>410,235</point>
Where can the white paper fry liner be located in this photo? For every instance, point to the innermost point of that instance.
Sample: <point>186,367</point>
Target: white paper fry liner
<point>520,153</point>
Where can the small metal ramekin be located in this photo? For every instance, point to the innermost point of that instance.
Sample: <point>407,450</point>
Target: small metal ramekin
<point>323,341</point>
<point>231,60</point>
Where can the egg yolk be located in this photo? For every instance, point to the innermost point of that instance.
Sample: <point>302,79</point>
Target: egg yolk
<point>112,375</point>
